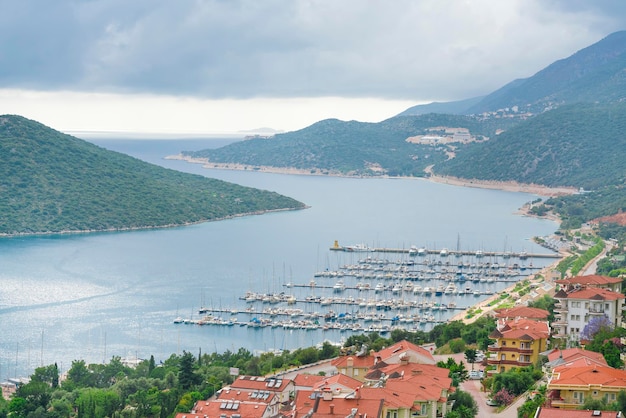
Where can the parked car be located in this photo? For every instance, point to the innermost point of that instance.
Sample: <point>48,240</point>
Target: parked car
<point>476,374</point>
<point>491,402</point>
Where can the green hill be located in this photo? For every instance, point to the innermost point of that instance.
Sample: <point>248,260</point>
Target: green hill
<point>579,145</point>
<point>51,182</point>
<point>352,148</point>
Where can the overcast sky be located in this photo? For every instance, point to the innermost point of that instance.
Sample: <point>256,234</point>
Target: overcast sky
<point>228,65</point>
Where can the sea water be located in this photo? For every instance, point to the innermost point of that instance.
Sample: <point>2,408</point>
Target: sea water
<point>93,296</point>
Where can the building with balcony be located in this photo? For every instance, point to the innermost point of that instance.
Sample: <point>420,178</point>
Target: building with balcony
<point>357,366</point>
<point>571,357</point>
<point>518,344</point>
<point>581,298</point>
<point>504,315</point>
<point>568,387</point>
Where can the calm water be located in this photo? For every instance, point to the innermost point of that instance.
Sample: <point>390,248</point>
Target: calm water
<point>93,296</point>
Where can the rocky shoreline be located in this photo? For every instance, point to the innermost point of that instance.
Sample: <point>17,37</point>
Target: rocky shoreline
<point>510,186</point>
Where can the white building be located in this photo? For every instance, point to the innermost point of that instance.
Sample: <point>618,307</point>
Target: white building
<point>581,298</point>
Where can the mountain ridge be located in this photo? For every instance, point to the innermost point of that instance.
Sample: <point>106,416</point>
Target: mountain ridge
<point>51,183</point>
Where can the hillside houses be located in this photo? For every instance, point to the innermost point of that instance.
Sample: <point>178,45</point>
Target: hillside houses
<point>569,387</point>
<point>357,366</point>
<point>401,382</point>
<point>582,298</point>
<point>518,344</point>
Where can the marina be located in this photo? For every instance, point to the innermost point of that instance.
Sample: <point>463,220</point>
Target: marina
<point>379,292</point>
<point>106,294</point>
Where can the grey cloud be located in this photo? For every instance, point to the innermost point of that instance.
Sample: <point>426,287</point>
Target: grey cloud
<point>285,48</point>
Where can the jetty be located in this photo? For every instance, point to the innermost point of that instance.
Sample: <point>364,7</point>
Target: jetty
<point>444,252</point>
<point>378,290</point>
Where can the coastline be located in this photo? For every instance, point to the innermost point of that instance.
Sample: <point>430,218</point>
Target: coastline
<point>509,186</point>
<point>486,306</point>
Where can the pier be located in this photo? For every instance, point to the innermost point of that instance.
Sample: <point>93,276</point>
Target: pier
<point>444,252</point>
<point>411,289</point>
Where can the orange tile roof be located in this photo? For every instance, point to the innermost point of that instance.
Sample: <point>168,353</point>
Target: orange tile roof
<point>572,354</point>
<point>403,346</point>
<point>230,394</point>
<point>260,383</point>
<point>307,401</point>
<point>307,380</point>
<point>523,329</point>
<point>522,312</point>
<point>595,293</point>
<point>338,379</point>
<point>360,362</point>
<point>217,407</point>
<point>592,279</point>
<point>589,375</point>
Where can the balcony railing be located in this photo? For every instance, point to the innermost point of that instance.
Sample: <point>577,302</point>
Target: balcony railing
<point>493,362</point>
<point>509,349</point>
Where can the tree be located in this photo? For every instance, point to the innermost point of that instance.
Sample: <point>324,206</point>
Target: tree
<point>503,397</point>
<point>596,325</point>
<point>48,374</point>
<point>78,375</point>
<point>186,376</point>
<point>470,356</point>
<point>529,408</point>
<point>464,405</point>
<point>151,365</point>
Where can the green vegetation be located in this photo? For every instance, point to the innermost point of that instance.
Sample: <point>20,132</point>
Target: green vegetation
<point>578,145</point>
<point>587,256</point>
<point>574,210</point>
<point>352,148</point>
<point>114,390</point>
<point>51,182</point>
<point>464,405</point>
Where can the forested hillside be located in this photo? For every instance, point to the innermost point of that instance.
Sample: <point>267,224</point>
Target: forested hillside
<point>51,182</point>
<point>352,148</point>
<point>579,145</point>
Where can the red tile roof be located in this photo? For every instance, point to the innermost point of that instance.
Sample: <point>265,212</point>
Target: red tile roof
<point>588,375</point>
<point>307,401</point>
<point>597,293</point>
<point>522,312</point>
<point>592,279</point>
<point>572,354</point>
<point>337,380</point>
<point>260,383</point>
<point>261,396</point>
<point>523,329</point>
<point>360,362</point>
<point>216,408</point>
<point>307,380</point>
<point>404,347</point>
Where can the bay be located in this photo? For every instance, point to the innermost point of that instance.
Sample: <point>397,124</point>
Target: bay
<point>92,296</point>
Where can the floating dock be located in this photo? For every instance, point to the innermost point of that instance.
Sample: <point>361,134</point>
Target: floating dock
<point>444,252</point>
